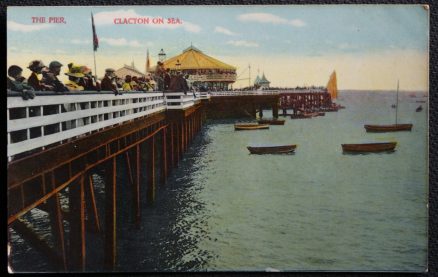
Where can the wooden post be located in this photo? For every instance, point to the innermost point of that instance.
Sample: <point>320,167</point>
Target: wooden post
<point>92,207</point>
<point>275,110</point>
<point>77,225</point>
<point>57,224</point>
<point>172,145</point>
<point>128,166</point>
<point>136,188</point>
<point>164,157</point>
<point>150,171</point>
<point>110,246</point>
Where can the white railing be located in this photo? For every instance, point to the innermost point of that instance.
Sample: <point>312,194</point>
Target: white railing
<point>179,100</point>
<point>51,118</point>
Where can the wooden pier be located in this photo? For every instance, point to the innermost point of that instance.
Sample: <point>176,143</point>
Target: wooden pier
<point>144,134</point>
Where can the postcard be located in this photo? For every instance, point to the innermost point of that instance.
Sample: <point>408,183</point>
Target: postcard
<point>218,138</point>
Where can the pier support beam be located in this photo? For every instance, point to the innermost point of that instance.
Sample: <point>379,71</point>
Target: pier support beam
<point>136,209</point>
<point>57,224</point>
<point>150,170</point>
<point>164,162</point>
<point>92,214</point>
<point>275,111</point>
<point>110,246</point>
<point>77,225</point>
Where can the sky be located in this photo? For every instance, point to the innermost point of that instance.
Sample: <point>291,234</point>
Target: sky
<point>369,46</point>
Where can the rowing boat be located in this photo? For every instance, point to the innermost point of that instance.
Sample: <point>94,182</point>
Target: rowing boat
<point>369,147</point>
<point>242,127</point>
<point>388,128</point>
<point>279,149</point>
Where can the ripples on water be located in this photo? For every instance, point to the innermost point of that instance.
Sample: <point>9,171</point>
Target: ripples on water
<point>224,209</point>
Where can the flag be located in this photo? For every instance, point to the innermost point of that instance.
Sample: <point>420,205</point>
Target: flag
<point>95,39</point>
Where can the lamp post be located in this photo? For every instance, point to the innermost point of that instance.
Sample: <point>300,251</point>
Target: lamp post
<point>178,65</point>
<point>161,55</point>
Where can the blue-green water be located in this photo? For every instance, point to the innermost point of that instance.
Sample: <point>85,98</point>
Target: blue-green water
<point>317,209</point>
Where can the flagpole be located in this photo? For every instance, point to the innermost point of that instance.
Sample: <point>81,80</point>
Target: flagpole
<point>94,50</point>
<point>95,70</point>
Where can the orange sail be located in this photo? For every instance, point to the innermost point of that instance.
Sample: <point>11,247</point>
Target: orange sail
<point>332,86</point>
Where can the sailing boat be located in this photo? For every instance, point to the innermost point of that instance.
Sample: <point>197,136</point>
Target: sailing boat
<point>332,86</point>
<point>390,128</point>
<point>332,89</point>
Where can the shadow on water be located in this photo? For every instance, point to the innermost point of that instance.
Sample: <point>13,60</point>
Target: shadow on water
<point>367,153</point>
<point>174,225</point>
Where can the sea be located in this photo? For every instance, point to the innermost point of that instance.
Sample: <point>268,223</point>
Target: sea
<point>318,209</point>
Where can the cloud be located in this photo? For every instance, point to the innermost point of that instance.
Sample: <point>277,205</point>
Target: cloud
<point>81,41</point>
<point>14,26</point>
<point>121,42</point>
<point>223,30</point>
<point>107,18</point>
<point>270,18</point>
<point>243,43</point>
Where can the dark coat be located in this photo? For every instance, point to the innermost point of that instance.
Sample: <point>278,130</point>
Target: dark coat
<point>34,82</point>
<point>51,80</point>
<point>17,85</point>
<point>167,80</point>
<point>178,84</point>
<point>107,84</point>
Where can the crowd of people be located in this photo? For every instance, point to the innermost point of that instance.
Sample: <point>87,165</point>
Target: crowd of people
<point>80,78</point>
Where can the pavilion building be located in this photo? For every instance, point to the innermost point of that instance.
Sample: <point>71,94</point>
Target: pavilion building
<point>202,69</point>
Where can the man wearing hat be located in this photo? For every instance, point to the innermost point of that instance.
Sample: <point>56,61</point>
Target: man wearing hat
<point>16,82</point>
<point>160,71</point>
<point>108,82</point>
<point>50,77</point>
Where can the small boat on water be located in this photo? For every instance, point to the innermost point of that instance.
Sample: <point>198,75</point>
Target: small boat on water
<point>315,114</point>
<point>369,147</point>
<point>419,109</point>
<point>249,126</point>
<point>392,127</point>
<point>299,116</point>
<point>388,128</point>
<point>279,149</point>
<point>272,121</point>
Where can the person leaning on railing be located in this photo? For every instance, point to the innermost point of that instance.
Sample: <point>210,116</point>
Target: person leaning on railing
<point>37,66</point>
<point>16,82</point>
<point>50,77</point>
<point>109,81</point>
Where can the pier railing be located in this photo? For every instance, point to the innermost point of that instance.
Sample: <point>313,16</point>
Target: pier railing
<point>178,100</point>
<point>51,118</point>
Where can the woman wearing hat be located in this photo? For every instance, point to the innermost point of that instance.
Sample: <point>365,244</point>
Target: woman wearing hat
<point>36,67</point>
<point>75,77</point>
